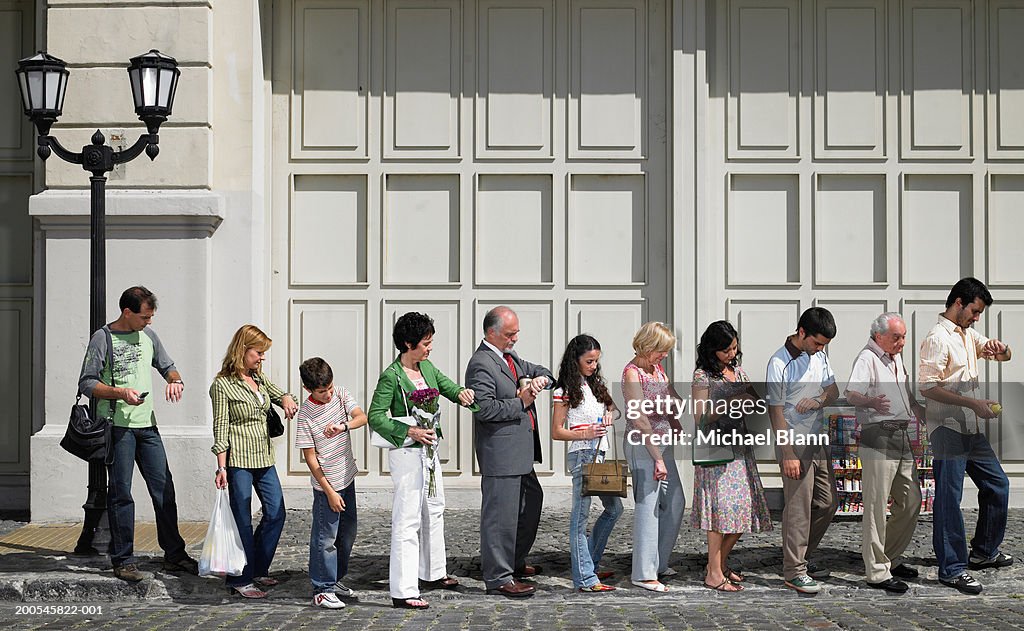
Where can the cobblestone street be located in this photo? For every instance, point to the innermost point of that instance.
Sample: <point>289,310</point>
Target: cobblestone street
<point>175,602</point>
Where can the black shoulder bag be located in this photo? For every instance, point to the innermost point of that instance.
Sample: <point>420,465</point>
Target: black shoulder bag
<point>88,436</point>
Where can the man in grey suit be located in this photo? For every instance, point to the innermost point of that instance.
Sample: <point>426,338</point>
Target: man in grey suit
<point>507,445</point>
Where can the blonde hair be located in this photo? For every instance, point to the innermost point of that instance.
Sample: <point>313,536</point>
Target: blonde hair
<point>246,337</point>
<point>654,337</point>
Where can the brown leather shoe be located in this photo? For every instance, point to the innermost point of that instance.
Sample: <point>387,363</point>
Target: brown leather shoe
<point>527,571</point>
<point>513,589</point>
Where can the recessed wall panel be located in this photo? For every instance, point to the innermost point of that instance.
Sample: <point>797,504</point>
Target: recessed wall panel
<point>849,230</point>
<point>423,79</point>
<point>328,230</point>
<point>1006,81</point>
<point>12,120</point>
<point>421,229</point>
<point>15,230</point>
<point>1005,225</point>
<point>936,229</point>
<point>456,426</point>
<point>608,84</point>
<point>763,327</point>
<point>335,331</point>
<point>606,230</point>
<point>849,104</point>
<point>522,200</point>
<point>515,79</point>
<point>763,78</point>
<point>330,97</point>
<point>937,85</point>
<point>15,323</point>
<point>613,324</point>
<point>1007,386</point>
<point>853,324</point>
<point>763,231</point>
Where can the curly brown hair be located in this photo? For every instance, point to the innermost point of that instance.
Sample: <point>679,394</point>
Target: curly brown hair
<point>571,381</point>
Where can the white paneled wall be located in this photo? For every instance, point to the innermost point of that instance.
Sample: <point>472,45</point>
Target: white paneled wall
<point>863,155</point>
<point>453,155</point>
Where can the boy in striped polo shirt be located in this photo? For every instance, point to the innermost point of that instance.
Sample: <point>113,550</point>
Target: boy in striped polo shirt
<point>326,419</point>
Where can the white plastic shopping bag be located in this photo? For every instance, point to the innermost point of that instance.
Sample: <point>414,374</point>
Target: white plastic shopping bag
<point>222,551</point>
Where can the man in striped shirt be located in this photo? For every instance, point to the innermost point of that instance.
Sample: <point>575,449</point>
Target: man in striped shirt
<point>323,434</point>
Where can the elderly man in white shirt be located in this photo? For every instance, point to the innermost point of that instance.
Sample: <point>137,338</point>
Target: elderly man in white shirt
<point>949,378</point>
<point>880,389</point>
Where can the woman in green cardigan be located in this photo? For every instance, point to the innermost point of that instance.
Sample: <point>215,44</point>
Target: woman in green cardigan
<point>417,516</point>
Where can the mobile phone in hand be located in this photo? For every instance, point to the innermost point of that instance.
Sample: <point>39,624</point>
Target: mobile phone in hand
<point>142,396</point>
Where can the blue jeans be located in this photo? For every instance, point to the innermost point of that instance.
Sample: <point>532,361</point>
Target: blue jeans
<point>260,546</point>
<point>957,454</point>
<point>658,512</point>
<point>142,446</point>
<point>585,556</point>
<point>331,539</point>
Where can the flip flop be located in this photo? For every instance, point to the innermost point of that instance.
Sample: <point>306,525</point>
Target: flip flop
<point>656,586</point>
<point>407,603</point>
<point>598,587</point>
<point>721,586</point>
<point>730,573</point>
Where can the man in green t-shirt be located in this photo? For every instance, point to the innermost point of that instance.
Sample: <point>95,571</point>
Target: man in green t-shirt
<point>125,386</point>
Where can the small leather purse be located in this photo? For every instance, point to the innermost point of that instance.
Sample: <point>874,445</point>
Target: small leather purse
<point>608,478</point>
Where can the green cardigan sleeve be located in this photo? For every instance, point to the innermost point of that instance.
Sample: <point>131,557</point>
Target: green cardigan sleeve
<point>448,388</point>
<point>385,397</point>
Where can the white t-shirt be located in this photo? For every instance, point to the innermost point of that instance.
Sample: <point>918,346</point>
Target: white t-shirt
<point>792,376</point>
<point>588,412</point>
<point>334,454</point>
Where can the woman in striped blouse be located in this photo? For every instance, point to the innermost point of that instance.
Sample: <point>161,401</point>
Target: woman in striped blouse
<point>241,395</point>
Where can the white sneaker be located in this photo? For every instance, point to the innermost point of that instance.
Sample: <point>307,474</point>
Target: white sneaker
<point>343,590</point>
<point>327,600</point>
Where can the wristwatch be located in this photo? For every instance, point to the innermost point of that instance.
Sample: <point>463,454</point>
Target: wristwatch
<point>219,469</point>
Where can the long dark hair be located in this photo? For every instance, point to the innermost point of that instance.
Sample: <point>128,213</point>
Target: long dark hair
<point>569,378</point>
<point>717,337</point>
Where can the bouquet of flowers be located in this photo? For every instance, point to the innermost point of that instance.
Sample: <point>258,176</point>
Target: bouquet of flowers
<point>425,408</point>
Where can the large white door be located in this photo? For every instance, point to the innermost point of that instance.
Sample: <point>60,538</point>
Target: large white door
<point>17,183</point>
<point>864,155</point>
<point>448,156</point>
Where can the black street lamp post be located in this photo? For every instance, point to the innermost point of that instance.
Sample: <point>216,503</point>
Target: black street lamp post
<point>43,80</point>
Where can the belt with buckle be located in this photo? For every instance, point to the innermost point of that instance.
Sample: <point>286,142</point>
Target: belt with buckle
<point>894,425</point>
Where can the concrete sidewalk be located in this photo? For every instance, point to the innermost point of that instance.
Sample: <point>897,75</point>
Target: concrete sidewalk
<point>35,569</point>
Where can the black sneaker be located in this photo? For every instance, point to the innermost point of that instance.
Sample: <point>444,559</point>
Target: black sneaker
<point>85,551</point>
<point>976,562</point>
<point>965,583</point>
<point>891,585</point>
<point>184,564</point>
<point>904,571</point>
<point>818,572</point>
<point>130,572</point>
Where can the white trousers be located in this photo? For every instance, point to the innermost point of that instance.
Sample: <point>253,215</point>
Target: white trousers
<point>417,523</point>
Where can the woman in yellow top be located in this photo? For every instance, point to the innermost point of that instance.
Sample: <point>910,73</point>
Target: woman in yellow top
<point>241,396</point>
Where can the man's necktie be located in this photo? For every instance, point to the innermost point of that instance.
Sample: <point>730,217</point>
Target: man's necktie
<point>515,376</point>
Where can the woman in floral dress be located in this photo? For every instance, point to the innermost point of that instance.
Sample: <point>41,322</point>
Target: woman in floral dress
<point>728,499</point>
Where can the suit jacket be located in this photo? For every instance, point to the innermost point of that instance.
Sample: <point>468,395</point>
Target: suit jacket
<point>505,444</point>
<point>393,387</point>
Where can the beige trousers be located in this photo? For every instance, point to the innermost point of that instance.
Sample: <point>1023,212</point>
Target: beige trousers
<point>811,503</point>
<point>887,470</point>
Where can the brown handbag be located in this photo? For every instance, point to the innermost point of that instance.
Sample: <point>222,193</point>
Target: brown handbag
<point>606,478</point>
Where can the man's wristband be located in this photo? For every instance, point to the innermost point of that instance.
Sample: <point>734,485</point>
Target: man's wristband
<point>346,427</point>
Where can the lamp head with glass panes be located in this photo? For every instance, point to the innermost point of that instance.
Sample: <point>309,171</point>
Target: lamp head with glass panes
<point>154,79</point>
<point>43,80</point>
